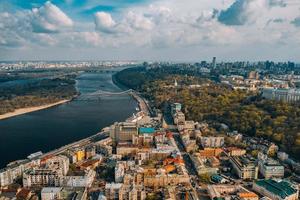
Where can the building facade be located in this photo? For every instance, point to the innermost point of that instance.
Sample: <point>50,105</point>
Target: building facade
<point>244,167</point>
<point>278,94</point>
<point>212,142</point>
<point>41,177</point>
<point>123,131</point>
<point>269,168</point>
<point>51,193</point>
<point>9,174</point>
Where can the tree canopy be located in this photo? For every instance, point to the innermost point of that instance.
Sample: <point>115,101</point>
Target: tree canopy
<point>244,111</point>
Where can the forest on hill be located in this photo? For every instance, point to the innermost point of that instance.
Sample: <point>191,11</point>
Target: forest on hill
<point>246,112</point>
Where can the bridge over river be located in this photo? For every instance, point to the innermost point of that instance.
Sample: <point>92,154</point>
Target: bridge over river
<point>97,95</point>
<point>101,93</point>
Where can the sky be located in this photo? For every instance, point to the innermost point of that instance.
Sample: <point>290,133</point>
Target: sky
<point>154,30</point>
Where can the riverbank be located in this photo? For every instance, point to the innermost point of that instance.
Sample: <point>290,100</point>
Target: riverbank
<point>22,111</point>
<point>142,102</point>
<point>117,83</point>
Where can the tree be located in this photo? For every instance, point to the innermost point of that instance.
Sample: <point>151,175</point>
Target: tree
<point>243,111</point>
<point>254,153</point>
<point>152,196</point>
<point>204,178</point>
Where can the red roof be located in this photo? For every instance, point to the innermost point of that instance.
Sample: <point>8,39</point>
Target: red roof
<point>23,193</point>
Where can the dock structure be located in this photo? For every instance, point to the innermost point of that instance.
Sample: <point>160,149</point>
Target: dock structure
<point>143,104</point>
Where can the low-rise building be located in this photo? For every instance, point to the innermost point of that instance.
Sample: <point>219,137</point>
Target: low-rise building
<point>189,125</point>
<point>53,169</point>
<point>59,163</point>
<point>210,152</point>
<point>179,118</point>
<point>134,192</point>
<point>225,191</point>
<point>24,194</point>
<point>244,167</point>
<point>51,193</point>
<point>280,94</point>
<point>247,196</point>
<point>80,154</point>
<point>90,164</point>
<point>84,180</point>
<point>119,172</point>
<point>90,151</point>
<point>114,191</point>
<point>125,149</point>
<point>175,107</point>
<point>74,193</point>
<point>217,178</point>
<point>15,170</point>
<point>104,149</point>
<point>162,180</point>
<point>212,142</point>
<point>41,177</point>
<point>190,145</point>
<point>269,168</point>
<point>234,151</point>
<point>203,166</point>
<point>169,193</point>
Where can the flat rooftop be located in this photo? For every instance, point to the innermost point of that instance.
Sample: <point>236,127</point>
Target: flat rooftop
<point>282,188</point>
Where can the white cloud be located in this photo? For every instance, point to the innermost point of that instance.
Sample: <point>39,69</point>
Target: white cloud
<point>167,25</point>
<point>242,12</point>
<point>49,18</point>
<point>12,28</point>
<point>138,21</point>
<point>162,27</point>
<point>104,22</point>
<point>42,27</point>
<point>130,22</point>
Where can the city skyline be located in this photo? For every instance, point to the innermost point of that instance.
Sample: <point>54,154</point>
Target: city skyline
<point>161,30</point>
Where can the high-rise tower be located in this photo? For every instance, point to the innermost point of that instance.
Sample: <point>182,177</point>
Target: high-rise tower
<point>213,64</point>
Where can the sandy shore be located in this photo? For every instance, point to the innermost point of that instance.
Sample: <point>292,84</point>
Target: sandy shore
<point>22,111</point>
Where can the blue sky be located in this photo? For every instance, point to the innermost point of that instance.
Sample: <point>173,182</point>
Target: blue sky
<point>189,30</point>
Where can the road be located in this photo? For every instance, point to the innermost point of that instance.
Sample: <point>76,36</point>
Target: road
<point>143,104</point>
<point>188,163</point>
<point>85,141</point>
<point>186,157</point>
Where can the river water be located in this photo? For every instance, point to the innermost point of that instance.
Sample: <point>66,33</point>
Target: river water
<point>51,128</point>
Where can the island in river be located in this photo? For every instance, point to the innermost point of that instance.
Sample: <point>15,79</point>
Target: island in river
<point>22,111</point>
<point>27,95</point>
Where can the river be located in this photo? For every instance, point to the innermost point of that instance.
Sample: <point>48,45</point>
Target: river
<point>48,129</point>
